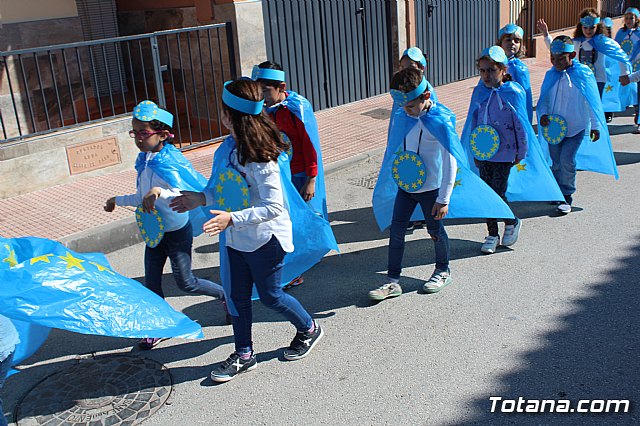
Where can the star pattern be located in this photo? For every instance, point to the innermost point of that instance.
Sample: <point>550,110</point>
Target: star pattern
<point>232,191</point>
<point>483,137</point>
<point>11,259</point>
<point>43,258</point>
<point>521,167</point>
<point>153,231</point>
<point>72,262</point>
<point>555,132</point>
<point>408,170</point>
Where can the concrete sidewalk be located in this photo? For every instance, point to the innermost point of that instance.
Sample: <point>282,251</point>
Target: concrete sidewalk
<point>73,213</point>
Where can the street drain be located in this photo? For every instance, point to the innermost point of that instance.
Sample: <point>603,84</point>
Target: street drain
<point>112,390</point>
<point>378,113</point>
<point>368,181</point>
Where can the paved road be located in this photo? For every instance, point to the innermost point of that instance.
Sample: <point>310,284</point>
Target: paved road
<point>556,317</point>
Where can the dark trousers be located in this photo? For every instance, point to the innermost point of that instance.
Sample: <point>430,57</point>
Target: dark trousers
<point>5,365</point>
<point>496,175</point>
<point>176,245</point>
<point>264,268</point>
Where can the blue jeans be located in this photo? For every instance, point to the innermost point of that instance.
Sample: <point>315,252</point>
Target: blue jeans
<point>563,156</point>
<point>5,365</point>
<point>402,210</point>
<point>264,268</point>
<point>298,180</point>
<point>176,245</point>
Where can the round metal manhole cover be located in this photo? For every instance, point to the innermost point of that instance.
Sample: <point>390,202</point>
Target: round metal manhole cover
<point>113,390</point>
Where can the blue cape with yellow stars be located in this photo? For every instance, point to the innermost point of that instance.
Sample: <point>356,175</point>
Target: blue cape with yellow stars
<point>592,156</point>
<point>520,74</point>
<point>532,179</point>
<point>471,197</point>
<point>303,110</point>
<point>628,95</point>
<point>45,285</point>
<point>312,234</point>
<point>613,95</point>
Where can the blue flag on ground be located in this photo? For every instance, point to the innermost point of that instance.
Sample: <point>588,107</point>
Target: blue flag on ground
<point>471,196</point>
<point>45,285</point>
<point>312,234</point>
<point>532,179</point>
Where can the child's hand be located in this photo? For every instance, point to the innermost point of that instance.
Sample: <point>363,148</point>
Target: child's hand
<point>308,190</point>
<point>624,80</point>
<point>219,223</point>
<point>542,27</point>
<point>595,135</point>
<point>149,200</point>
<point>189,200</point>
<point>439,211</point>
<point>110,205</point>
<point>544,120</point>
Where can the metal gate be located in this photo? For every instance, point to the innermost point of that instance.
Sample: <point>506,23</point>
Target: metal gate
<point>453,33</point>
<point>334,51</point>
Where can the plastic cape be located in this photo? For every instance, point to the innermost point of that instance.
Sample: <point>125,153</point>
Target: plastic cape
<point>471,197</point>
<point>177,171</point>
<point>394,107</point>
<point>611,97</point>
<point>46,285</point>
<point>303,110</point>
<point>628,95</point>
<point>532,179</point>
<point>312,234</point>
<point>520,73</point>
<point>593,156</point>
<point>607,47</point>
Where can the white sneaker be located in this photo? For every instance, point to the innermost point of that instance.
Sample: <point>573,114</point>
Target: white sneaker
<point>564,208</point>
<point>511,233</point>
<point>490,244</point>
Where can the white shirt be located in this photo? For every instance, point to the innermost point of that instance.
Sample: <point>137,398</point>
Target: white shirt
<point>441,166</point>
<point>566,99</point>
<point>147,180</point>
<point>267,215</point>
<point>8,337</point>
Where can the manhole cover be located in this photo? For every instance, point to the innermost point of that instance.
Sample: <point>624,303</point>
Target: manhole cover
<point>378,113</point>
<point>113,390</point>
<point>368,181</point>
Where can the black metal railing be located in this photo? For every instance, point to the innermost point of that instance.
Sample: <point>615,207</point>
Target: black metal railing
<point>56,87</point>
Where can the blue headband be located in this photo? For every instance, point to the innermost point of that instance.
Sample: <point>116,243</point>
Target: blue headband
<point>496,54</point>
<point>402,98</point>
<point>415,54</point>
<point>608,22</point>
<point>511,29</point>
<point>559,46</point>
<point>149,111</point>
<point>240,104</point>
<point>267,74</point>
<point>589,21</point>
<point>633,10</point>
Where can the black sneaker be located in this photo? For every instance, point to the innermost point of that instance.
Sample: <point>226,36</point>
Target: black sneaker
<point>232,366</point>
<point>303,343</point>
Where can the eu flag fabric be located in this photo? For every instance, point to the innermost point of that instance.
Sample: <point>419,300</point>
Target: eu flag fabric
<point>471,197</point>
<point>312,234</point>
<point>46,285</point>
<point>532,179</point>
<point>592,156</point>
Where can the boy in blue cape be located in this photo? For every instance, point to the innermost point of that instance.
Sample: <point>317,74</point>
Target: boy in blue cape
<point>569,96</point>
<point>162,173</point>
<point>510,40</point>
<point>513,165</point>
<point>424,164</point>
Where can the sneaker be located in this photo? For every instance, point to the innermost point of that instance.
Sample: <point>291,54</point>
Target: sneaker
<point>415,224</point>
<point>227,318</point>
<point>608,116</point>
<point>232,366</point>
<point>148,343</point>
<point>385,291</point>
<point>438,281</point>
<point>511,233</point>
<point>303,343</point>
<point>564,208</point>
<point>490,244</point>
<point>293,283</point>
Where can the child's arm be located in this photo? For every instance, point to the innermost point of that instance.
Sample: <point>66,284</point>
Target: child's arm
<point>522,142</point>
<point>310,156</point>
<point>449,170</point>
<point>544,29</point>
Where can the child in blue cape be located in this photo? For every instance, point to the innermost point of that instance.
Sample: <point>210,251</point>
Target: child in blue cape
<point>569,97</point>
<point>510,39</point>
<point>254,241</point>
<point>293,115</point>
<point>162,173</point>
<point>629,39</point>
<point>8,340</point>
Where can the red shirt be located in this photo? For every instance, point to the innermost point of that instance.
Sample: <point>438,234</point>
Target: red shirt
<point>305,158</point>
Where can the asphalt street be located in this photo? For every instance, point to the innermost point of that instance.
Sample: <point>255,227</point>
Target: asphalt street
<point>554,317</point>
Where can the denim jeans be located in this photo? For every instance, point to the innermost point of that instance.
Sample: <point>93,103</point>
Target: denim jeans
<point>563,156</point>
<point>5,365</point>
<point>264,268</point>
<point>496,175</point>
<point>298,180</point>
<point>176,245</point>
<point>403,208</point>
